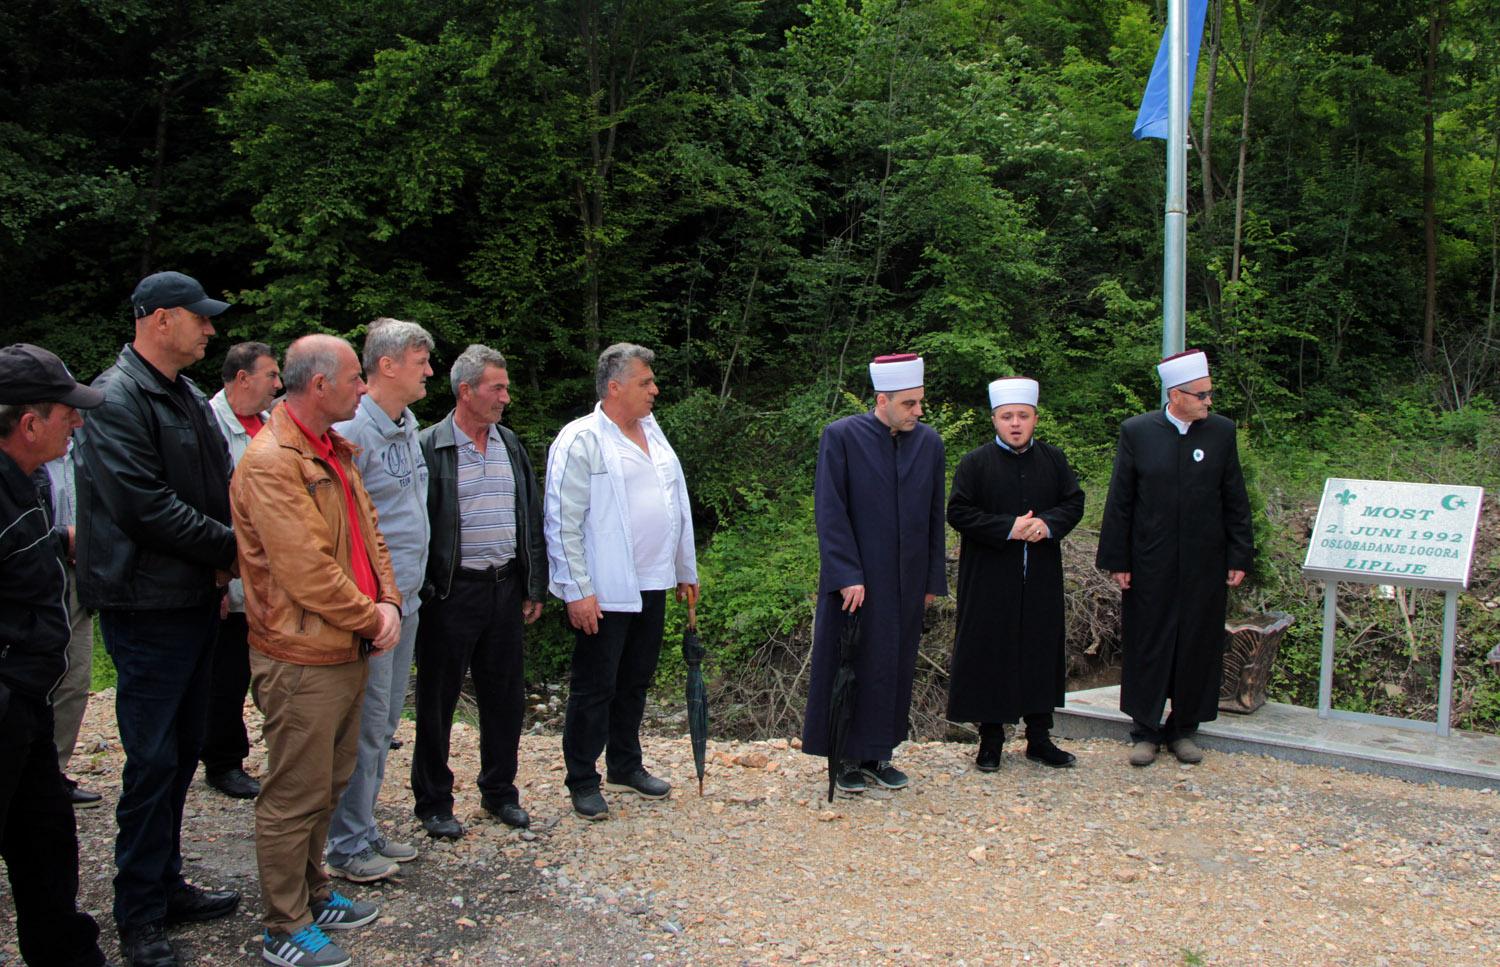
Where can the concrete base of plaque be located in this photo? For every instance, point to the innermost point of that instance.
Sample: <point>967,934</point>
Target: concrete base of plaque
<point>1250,646</point>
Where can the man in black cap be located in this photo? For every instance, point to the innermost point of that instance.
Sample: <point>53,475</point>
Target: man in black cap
<point>39,404</point>
<point>155,549</point>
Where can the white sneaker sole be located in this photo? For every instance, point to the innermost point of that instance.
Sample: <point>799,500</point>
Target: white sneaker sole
<point>346,924</point>
<point>632,790</point>
<point>354,877</point>
<point>300,959</point>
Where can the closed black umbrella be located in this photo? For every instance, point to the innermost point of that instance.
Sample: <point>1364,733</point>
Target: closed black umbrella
<point>697,696</point>
<point>841,702</point>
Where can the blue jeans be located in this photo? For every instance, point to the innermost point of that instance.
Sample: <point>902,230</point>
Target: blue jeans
<point>163,661</point>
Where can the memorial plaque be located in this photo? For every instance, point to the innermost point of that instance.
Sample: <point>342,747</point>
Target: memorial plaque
<point>1387,532</point>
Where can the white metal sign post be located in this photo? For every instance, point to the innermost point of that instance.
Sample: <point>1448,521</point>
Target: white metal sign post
<point>1385,532</point>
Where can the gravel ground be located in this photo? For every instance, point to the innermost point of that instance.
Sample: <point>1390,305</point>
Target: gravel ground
<point>1241,859</point>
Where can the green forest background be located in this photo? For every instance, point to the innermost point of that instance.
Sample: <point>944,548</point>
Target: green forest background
<point>769,193</point>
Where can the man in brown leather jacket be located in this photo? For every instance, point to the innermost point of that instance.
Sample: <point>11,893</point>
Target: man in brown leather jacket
<point>320,597</point>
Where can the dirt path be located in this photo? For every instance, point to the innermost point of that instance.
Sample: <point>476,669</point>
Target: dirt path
<point>1242,859</point>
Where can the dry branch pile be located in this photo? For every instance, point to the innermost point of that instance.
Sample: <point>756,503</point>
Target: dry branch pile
<point>765,697</point>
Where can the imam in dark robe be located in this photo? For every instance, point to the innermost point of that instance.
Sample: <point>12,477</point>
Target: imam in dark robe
<point>1008,653</point>
<point>1178,519</point>
<point>879,507</point>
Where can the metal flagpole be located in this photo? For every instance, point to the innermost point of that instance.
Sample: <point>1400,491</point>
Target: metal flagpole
<point>1174,260</point>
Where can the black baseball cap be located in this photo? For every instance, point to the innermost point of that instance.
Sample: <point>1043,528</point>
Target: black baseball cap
<point>30,374</point>
<point>172,290</point>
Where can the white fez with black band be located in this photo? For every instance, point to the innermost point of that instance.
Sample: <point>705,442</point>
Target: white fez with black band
<point>891,374</point>
<point>1014,389</point>
<point>1182,368</point>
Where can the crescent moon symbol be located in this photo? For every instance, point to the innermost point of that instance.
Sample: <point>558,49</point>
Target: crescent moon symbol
<point>1453,502</point>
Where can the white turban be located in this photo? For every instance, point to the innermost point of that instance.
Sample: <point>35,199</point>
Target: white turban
<point>891,374</point>
<point>1182,368</point>
<point>1014,389</point>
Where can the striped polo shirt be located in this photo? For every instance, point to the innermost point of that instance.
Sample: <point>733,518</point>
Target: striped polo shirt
<point>486,502</point>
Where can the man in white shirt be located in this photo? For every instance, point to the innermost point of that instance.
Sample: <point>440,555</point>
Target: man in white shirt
<point>251,381</point>
<point>619,536</point>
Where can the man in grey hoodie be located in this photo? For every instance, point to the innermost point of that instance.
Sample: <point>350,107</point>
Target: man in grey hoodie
<point>397,364</point>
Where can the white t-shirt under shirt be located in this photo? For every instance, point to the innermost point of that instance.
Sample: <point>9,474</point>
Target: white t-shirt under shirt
<point>650,524</point>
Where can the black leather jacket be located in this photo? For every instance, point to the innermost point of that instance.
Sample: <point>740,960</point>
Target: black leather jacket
<point>34,628</point>
<point>149,535</point>
<point>441,453</point>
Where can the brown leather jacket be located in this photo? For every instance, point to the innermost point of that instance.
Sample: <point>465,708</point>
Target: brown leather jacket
<point>294,548</point>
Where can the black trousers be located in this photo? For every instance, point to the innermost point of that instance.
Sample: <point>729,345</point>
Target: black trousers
<point>607,692</point>
<point>39,841</point>
<point>1038,724</point>
<point>1169,731</point>
<point>478,629</point>
<point>225,742</point>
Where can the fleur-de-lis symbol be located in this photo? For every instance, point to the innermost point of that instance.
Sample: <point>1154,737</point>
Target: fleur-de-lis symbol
<point>1344,497</point>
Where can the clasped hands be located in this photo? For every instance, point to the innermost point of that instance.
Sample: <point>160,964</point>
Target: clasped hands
<point>1029,528</point>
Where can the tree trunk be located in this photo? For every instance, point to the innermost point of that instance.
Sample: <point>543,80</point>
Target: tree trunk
<point>1436,17</point>
<point>158,180</point>
<point>1250,42</point>
<point>1487,345</point>
<point>1205,155</point>
<point>607,85</point>
<point>1205,139</point>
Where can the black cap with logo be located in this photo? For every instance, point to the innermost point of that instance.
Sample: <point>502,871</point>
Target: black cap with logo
<point>30,374</point>
<point>172,290</point>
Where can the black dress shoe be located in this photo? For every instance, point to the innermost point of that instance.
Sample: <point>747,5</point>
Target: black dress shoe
<point>509,813</point>
<point>988,759</point>
<point>235,783</point>
<point>442,826</point>
<point>589,804</point>
<point>80,797</point>
<point>147,946</point>
<point>640,782</point>
<point>193,904</point>
<point>397,743</point>
<point>1043,751</point>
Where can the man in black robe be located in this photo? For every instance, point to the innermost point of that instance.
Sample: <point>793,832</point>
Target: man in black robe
<point>1013,501</point>
<point>1176,533</point>
<point>879,510</point>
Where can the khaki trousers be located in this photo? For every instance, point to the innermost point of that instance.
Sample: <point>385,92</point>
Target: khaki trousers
<point>312,739</point>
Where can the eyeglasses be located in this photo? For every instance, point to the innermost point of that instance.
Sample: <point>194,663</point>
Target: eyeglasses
<point>1202,397</point>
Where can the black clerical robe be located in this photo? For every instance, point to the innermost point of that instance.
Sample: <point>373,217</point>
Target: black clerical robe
<point>879,508</point>
<point>1008,653</point>
<point>1178,519</point>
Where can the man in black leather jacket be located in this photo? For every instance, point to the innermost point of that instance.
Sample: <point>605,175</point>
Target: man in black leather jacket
<point>39,402</point>
<point>155,548</point>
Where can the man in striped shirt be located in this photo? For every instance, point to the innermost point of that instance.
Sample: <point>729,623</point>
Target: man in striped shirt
<point>486,575</point>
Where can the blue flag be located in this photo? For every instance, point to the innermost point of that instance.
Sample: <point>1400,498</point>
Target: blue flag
<point>1151,120</point>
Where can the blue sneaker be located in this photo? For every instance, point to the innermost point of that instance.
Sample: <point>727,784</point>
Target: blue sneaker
<point>308,947</point>
<point>338,912</point>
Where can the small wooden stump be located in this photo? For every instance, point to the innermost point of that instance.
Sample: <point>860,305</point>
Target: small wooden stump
<point>1250,646</point>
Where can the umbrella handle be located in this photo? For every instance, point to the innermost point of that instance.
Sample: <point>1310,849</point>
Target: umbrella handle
<point>692,616</point>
